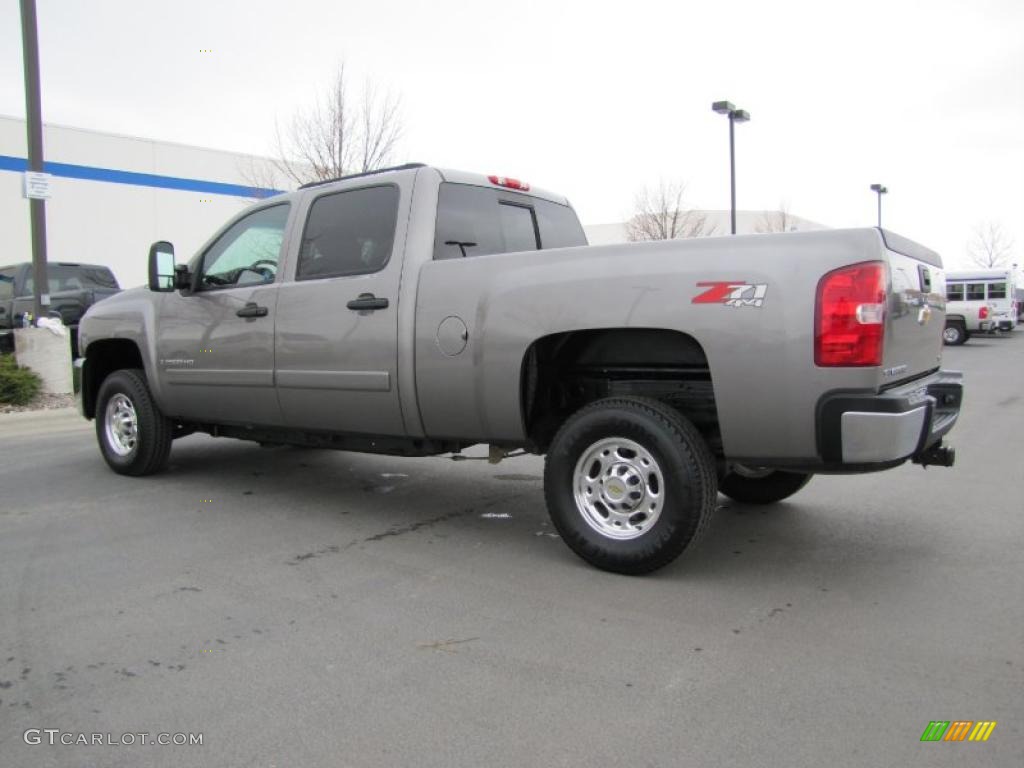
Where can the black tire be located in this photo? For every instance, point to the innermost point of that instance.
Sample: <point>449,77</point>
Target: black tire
<point>954,334</point>
<point>154,432</point>
<point>763,490</point>
<point>681,458</point>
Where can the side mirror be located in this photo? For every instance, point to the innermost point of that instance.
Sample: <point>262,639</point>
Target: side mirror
<point>161,266</point>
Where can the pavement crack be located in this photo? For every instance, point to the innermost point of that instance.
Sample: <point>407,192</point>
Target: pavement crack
<point>403,529</point>
<point>446,645</point>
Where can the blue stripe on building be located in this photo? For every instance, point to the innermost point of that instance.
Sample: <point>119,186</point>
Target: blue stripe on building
<point>90,173</point>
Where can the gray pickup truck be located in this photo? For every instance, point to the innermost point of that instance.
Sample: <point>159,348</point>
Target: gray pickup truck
<point>418,311</point>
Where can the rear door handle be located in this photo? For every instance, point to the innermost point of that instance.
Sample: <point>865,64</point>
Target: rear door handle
<point>367,301</point>
<point>252,309</point>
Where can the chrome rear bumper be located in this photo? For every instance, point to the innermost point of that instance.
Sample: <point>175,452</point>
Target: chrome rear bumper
<point>891,426</point>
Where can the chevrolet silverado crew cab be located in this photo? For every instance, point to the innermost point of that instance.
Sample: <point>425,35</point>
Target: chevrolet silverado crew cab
<point>418,311</point>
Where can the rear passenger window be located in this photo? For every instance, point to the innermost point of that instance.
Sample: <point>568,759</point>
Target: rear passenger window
<point>477,221</point>
<point>955,292</point>
<point>975,291</point>
<point>997,290</point>
<point>349,233</point>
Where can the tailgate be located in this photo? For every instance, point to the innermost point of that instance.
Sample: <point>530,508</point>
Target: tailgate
<point>916,310</point>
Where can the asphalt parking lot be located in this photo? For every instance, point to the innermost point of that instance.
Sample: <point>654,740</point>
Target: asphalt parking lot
<point>306,608</point>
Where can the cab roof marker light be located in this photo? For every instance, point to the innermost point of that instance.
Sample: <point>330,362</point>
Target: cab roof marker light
<point>504,181</point>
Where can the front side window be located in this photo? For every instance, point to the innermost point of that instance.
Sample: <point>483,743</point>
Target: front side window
<point>955,292</point>
<point>997,290</point>
<point>248,253</point>
<point>349,233</point>
<point>975,291</point>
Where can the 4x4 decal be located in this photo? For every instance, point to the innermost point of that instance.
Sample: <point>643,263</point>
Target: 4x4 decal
<point>732,293</point>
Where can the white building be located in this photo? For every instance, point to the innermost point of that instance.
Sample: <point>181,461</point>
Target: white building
<point>716,223</point>
<point>112,196</point>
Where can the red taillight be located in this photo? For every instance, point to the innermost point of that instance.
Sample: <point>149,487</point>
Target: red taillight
<point>503,181</point>
<point>849,326</point>
<point>983,313</point>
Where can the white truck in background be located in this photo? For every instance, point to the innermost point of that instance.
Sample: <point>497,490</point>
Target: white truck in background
<point>980,301</point>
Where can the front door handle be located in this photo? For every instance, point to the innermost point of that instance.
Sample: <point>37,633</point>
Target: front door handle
<point>367,301</point>
<point>252,309</point>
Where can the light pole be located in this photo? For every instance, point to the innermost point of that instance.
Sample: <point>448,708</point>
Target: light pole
<point>34,126</point>
<point>735,116</point>
<point>879,190</point>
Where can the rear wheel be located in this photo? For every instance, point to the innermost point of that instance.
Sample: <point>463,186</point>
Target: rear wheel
<point>954,334</point>
<point>630,484</point>
<point>766,486</point>
<point>134,436</point>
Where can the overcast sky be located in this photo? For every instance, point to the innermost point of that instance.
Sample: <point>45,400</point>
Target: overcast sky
<point>590,99</point>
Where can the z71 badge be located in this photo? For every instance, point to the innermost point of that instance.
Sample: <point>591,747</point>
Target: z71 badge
<point>732,294</point>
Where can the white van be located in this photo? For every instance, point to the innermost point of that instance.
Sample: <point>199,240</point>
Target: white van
<point>979,301</point>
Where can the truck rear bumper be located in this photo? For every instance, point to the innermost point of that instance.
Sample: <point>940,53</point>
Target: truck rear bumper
<point>906,422</point>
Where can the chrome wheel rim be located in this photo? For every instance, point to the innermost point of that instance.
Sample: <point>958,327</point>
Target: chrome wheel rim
<point>950,334</point>
<point>122,425</point>
<point>619,488</point>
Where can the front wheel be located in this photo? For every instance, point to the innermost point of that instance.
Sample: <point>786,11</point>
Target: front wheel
<point>134,436</point>
<point>761,486</point>
<point>629,484</point>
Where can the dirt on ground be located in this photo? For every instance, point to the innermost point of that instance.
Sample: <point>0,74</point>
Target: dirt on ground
<point>41,402</point>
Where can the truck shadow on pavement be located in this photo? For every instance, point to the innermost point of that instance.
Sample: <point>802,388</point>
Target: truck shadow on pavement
<point>350,500</point>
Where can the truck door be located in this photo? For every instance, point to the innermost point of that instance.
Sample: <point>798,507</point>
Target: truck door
<point>215,344</point>
<point>336,340</point>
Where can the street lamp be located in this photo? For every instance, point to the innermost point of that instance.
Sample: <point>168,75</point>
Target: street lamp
<point>879,190</point>
<point>735,116</point>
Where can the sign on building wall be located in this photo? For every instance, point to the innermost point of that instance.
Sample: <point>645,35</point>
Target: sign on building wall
<point>36,186</point>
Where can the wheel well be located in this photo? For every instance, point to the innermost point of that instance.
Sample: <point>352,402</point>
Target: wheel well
<point>565,371</point>
<point>103,358</point>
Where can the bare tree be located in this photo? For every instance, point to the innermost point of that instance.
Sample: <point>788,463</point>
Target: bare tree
<point>341,134</point>
<point>780,220</point>
<point>662,215</point>
<point>262,176</point>
<point>990,246</point>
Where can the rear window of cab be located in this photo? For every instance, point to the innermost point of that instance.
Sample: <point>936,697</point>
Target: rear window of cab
<point>477,221</point>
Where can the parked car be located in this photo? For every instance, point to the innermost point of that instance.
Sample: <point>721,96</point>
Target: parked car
<point>979,301</point>
<point>73,289</point>
<point>420,311</point>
